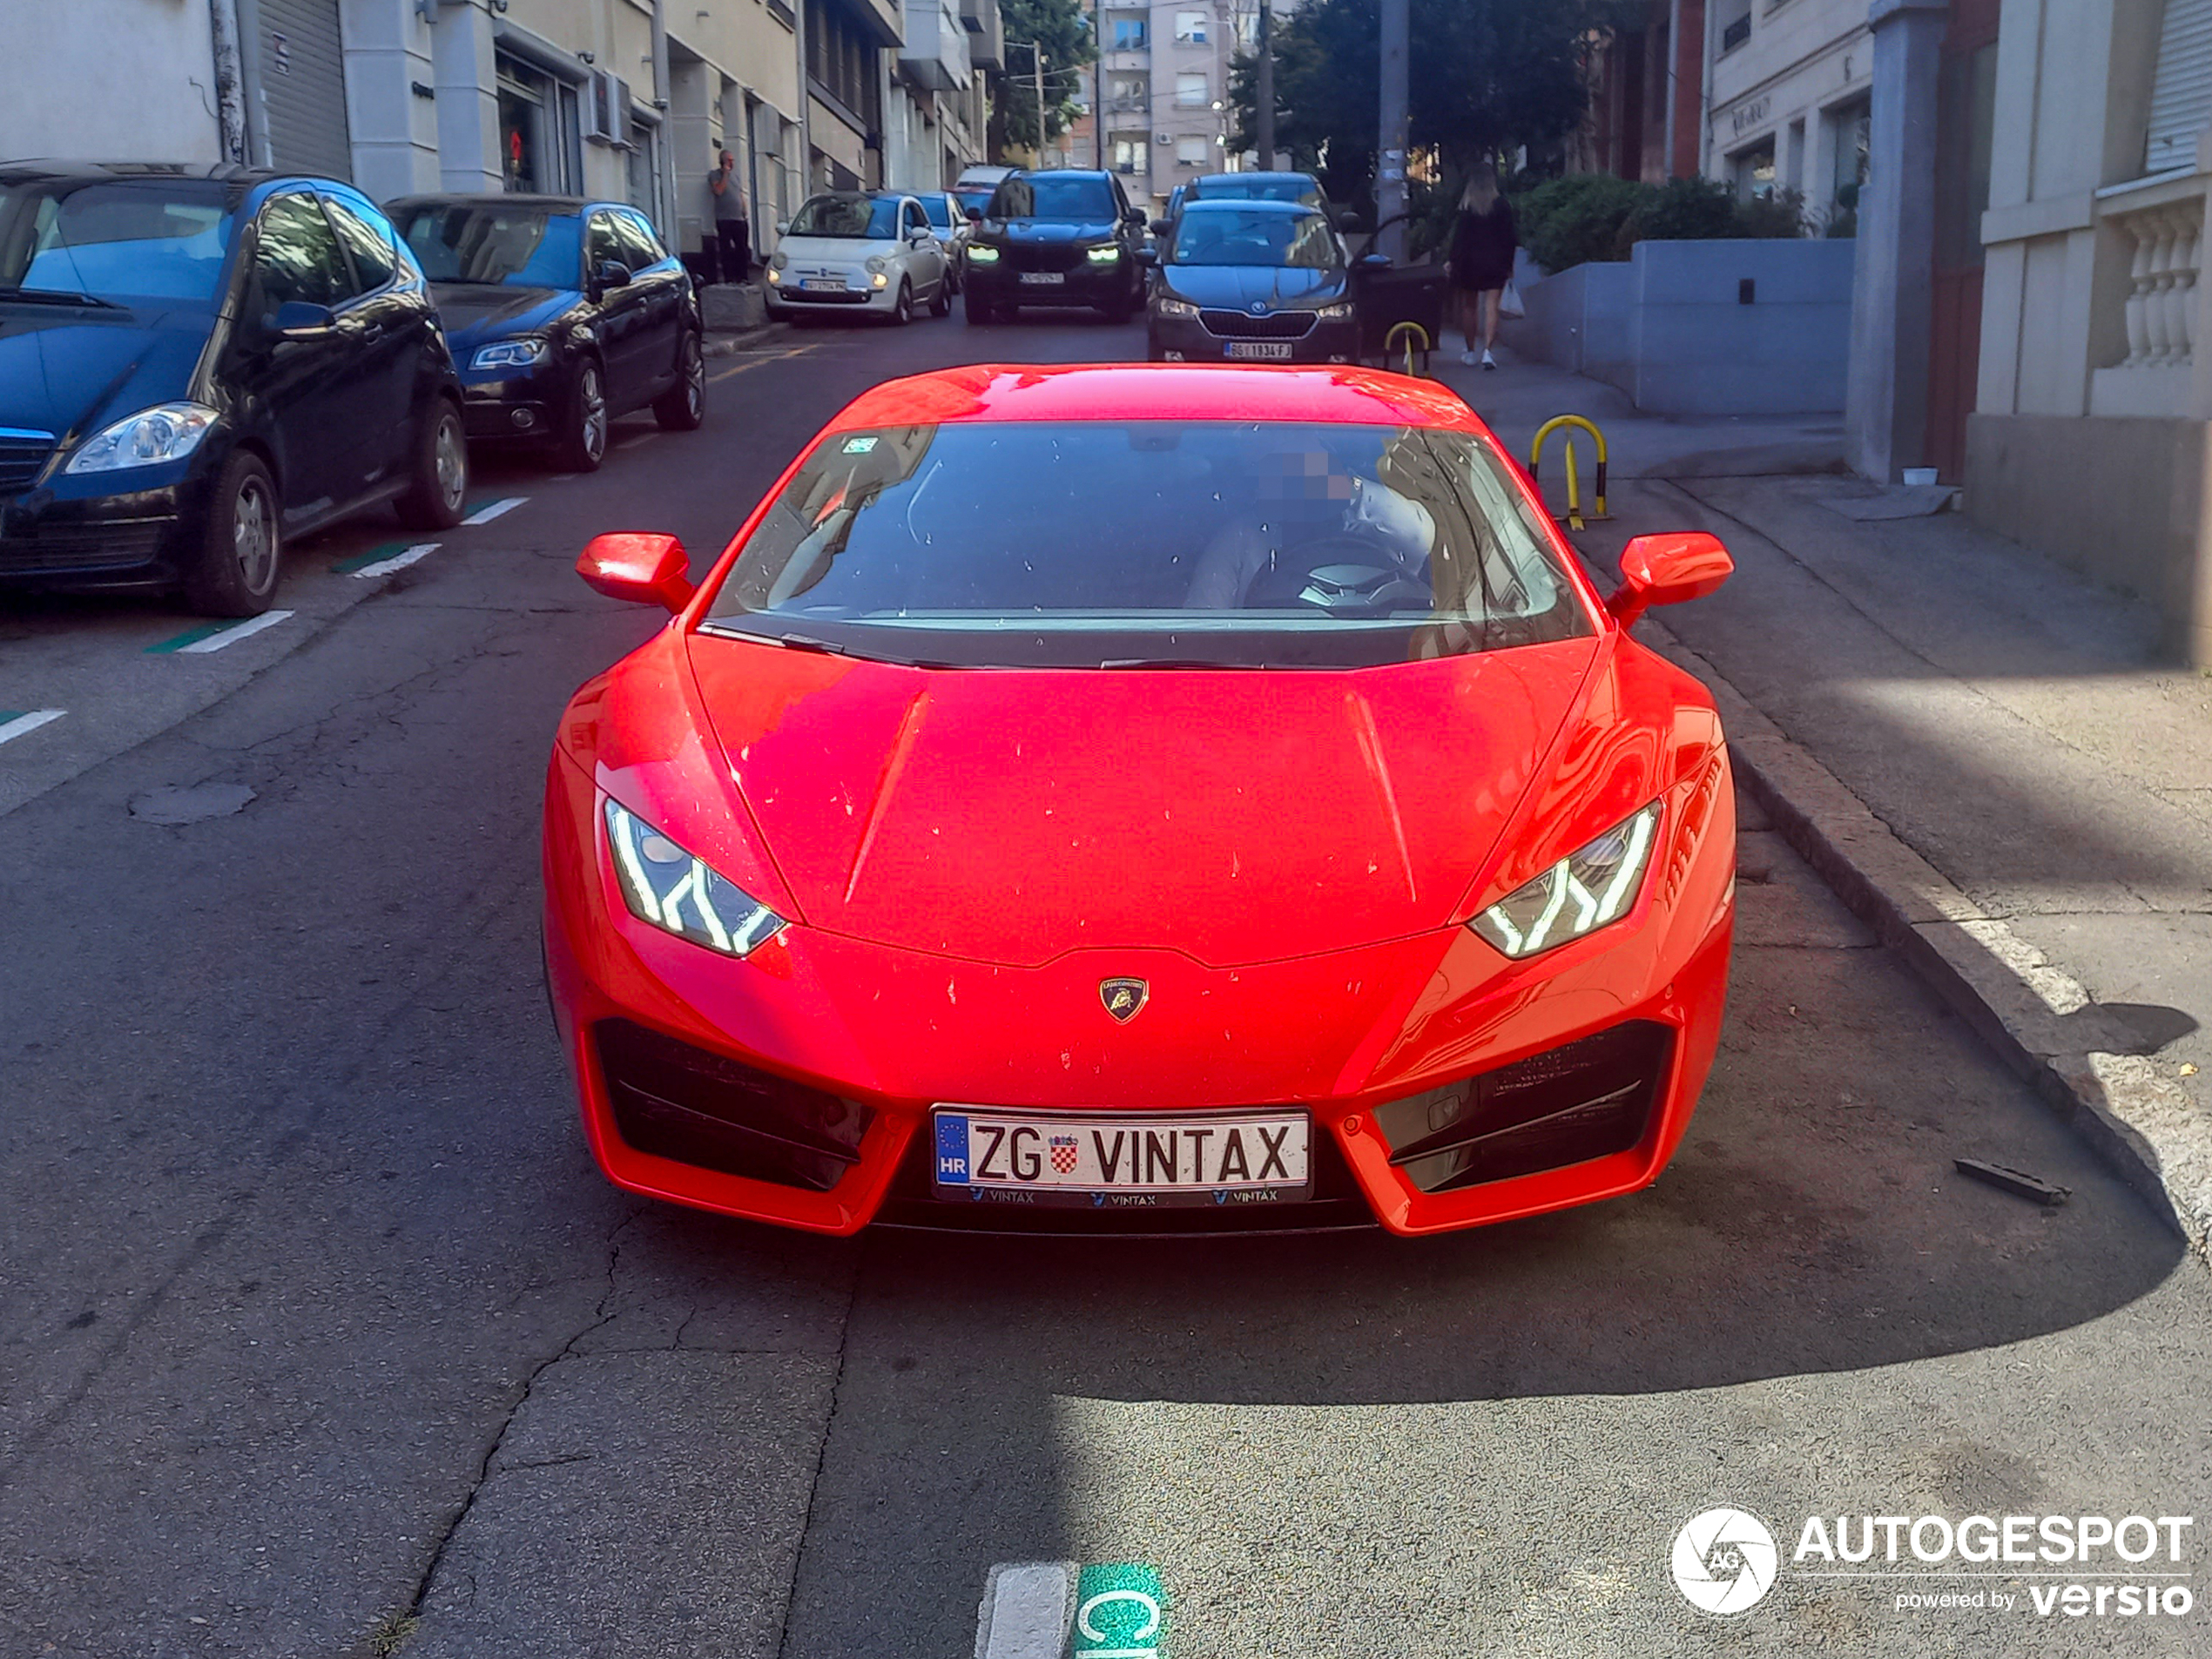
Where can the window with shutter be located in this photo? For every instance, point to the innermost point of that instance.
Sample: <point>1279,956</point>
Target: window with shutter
<point>2180,88</point>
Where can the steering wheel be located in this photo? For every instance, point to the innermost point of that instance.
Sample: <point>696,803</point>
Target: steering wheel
<point>1338,575</point>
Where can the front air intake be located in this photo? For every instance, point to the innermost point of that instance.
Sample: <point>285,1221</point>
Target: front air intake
<point>1567,1105</point>
<point>696,1107</point>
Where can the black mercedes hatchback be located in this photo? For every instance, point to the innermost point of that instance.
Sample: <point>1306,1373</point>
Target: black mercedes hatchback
<point>197,365</point>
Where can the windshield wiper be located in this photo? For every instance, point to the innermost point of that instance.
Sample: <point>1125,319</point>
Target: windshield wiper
<point>1177,662</point>
<point>59,296</point>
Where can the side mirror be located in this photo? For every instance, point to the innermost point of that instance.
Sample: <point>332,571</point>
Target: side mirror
<point>1162,226</point>
<point>1373,262</point>
<point>1134,216</point>
<point>1668,570</point>
<point>300,318</point>
<point>612,274</point>
<point>783,227</point>
<point>1148,256</point>
<point>641,567</point>
<point>975,216</point>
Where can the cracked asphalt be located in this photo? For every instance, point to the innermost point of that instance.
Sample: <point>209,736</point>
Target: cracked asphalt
<point>320,1335</point>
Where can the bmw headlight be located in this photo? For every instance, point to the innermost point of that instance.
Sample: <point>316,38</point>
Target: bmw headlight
<point>165,432</point>
<point>1593,885</point>
<point>1341,313</point>
<point>876,264</point>
<point>979,254</point>
<point>1176,308</point>
<point>1103,255</point>
<point>509,354</point>
<point>680,894</point>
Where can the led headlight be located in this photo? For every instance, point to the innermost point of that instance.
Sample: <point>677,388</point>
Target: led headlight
<point>1177,308</point>
<point>978,255</point>
<point>1593,885</point>
<point>1335,313</point>
<point>680,894</point>
<point>509,354</point>
<point>165,432</point>
<point>1103,255</point>
<point>876,264</point>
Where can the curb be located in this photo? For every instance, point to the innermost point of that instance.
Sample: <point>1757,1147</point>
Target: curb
<point>2038,1020</point>
<point>729,345</point>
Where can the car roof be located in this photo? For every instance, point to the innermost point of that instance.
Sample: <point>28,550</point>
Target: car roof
<point>1344,396</point>
<point>498,198</point>
<point>21,170</point>
<point>1205,178</point>
<point>1055,172</point>
<point>1247,205</point>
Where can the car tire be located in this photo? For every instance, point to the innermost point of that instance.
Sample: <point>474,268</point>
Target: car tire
<point>940,303</point>
<point>582,444</point>
<point>980,309</point>
<point>240,544</point>
<point>902,307</point>
<point>438,482</point>
<point>682,407</point>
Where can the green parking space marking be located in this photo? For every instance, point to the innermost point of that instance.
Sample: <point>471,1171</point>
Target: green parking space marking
<point>213,636</point>
<point>1121,1612</point>
<point>14,723</point>
<point>190,636</point>
<point>484,512</point>
<point>375,555</point>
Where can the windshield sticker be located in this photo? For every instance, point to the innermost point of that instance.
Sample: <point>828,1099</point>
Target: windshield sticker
<point>859,446</point>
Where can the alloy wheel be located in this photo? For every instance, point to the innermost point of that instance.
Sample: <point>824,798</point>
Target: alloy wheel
<point>694,378</point>
<point>253,541</point>
<point>592,410</point>
<point>451,455</point>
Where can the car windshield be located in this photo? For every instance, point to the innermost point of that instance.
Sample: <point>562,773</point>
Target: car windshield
<point>521,247</point>
<point>1305,191</point>
<point>857,218</point>
<point>1044,196</point>
<point>976,200</point>
<point>1090,544</point>
<point>1209,235</point>
<point>939,211</point>
<point>156,239</point>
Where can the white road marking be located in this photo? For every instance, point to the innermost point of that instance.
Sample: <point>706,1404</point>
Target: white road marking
<point>643,437</point>
<point>485,515</point>
<point>398,561</point>
<point>1028,1610</point>
<point>31,722</point>
<point>231,636</point>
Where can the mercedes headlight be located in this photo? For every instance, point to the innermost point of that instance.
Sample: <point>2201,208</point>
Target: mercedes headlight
<point>1593,885</point>
<point>1103,255</point>
<point>979,254</point>
<point>680,894</point>
<point>165,432</point>
<point>1341,313</point>
<point>876,264</point>
<point>1176,308</point>
<point>509,354</point>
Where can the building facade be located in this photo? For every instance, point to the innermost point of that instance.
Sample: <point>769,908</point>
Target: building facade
<point>1791,84</point>
<point>1647,112</point>
<point>938,109</point>
<point>1161,94</point>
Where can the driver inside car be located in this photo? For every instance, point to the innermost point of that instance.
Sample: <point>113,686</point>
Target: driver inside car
<point>1306,500</point>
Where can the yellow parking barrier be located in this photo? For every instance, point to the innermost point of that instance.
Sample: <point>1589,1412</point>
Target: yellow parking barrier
<point>1411,332</point>
<point>1575,518</point>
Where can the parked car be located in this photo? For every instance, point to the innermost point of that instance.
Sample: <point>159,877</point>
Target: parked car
<point>1251,282</point>
<point>197,365</point>
<point>1059,238</point>
<point>1300,187</point>
<point>563,316</point>
<point>860,253</point>
<point>949,221</point>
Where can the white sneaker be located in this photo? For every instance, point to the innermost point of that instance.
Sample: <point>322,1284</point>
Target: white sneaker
<point>1469,359</point>
<point>1488,362</point>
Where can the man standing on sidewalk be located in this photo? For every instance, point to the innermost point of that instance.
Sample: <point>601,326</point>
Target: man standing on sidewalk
<point>733,234</point>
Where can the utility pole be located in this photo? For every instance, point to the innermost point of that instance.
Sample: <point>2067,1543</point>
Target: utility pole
<point>1098,82</point>
<point>1390,163</point>
<point>1037,73</point>
<point>1264,89</point>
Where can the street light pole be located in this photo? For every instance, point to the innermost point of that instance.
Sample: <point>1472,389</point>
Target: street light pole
<point>1098,82</point>
<point>1390,164</point>
<point>1036,74</point>
<point>1264,90</point>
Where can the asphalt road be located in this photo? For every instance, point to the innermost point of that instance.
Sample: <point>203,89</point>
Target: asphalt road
<point>320,1335</point>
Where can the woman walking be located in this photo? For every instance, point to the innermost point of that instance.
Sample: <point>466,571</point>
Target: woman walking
<point>1480,262</point>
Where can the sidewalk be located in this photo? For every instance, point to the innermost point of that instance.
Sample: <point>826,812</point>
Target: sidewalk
<point>1998,716</point>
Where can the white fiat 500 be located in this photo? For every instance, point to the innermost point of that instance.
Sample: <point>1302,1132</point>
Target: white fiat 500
<point>853,252</point>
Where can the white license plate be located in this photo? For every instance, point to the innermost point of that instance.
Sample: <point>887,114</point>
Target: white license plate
<point>823,284</point>
<point>1044,278</point>
<point>1121,1161</point>
<point>1270,351</point>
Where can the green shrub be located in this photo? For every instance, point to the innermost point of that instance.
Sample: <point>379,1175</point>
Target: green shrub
<point>1681,210</point>
<point>1575,220</point>
<point>1782,214</point>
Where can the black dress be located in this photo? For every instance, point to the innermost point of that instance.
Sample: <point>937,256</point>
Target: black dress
<point>1482,245</point>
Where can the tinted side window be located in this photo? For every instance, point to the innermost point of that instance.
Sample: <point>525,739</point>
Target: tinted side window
<point>367,238</point>
<point>640,247</point>
<point>601,244</point>
<point>297,257</point>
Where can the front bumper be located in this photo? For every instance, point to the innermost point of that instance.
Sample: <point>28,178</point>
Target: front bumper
<point>1090,283</point>
<point>82,532</point>
<point>875,1035</point>
<point>513,407</point>
<point>1188,340</point>
<point>787,298</point>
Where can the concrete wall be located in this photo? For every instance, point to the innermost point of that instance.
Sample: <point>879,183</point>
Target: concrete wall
<point>1670,327</point>
<point>108,80</point>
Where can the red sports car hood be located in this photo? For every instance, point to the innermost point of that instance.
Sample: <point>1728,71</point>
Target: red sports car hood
<point>1009,815</point>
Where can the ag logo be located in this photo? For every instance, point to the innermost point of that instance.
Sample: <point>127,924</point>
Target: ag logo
<point>1124,998</point>
<point>1724,1560</point>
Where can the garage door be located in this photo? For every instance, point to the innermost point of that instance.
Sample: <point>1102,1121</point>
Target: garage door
<point>303,87</point>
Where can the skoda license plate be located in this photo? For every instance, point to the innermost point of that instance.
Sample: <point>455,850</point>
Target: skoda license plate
<point>1112,1161</point>
<point>1268,351</point>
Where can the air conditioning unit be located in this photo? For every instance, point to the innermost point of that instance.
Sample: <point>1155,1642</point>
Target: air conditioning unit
<point>1164,137</point>
<point>606,109</point>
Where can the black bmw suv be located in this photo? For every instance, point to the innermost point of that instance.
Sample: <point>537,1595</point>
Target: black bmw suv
<point>1056,238</point>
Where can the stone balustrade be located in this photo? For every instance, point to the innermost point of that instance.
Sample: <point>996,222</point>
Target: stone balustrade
<point>2161,294</point>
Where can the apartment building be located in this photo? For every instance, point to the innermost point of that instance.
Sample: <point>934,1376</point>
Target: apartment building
<point>1789,84</point>
<point>939,108</point>
<point>1161,94</point>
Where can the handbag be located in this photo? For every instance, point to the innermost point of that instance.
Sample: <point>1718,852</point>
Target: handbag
<point>1509,302</point>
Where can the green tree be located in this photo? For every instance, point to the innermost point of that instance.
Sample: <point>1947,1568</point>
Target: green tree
<point>1487,76</point>
<point>1062,27</point>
